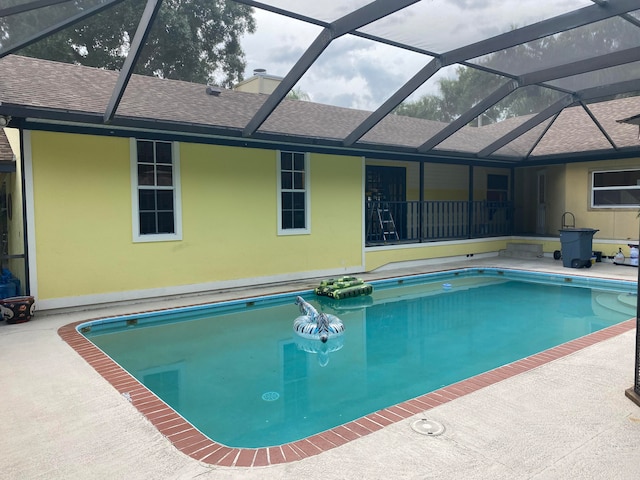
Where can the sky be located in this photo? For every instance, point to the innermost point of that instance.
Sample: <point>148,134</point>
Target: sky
<point>357,73</point>
<point>349,73</point>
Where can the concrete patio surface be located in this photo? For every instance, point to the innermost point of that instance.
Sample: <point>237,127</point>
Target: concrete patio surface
<point>567,419</point>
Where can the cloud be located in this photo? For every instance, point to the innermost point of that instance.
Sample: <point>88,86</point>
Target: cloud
<point>355,72</point>
<point>351,72</point>
<point>278,43</point>
<point>368,72</point>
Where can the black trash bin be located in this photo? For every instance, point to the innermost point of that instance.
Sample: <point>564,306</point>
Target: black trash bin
<point>576,244</point>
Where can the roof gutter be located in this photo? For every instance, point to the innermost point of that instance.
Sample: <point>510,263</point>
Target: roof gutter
<point>68,121</point>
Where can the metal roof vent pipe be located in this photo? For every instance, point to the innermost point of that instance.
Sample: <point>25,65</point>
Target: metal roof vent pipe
<point>261,72</point>
<point>213,90</point>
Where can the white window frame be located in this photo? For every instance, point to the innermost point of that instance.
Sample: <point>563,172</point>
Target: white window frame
<point>177,196</point>
<point>595,189</point>
<point>307,196</point>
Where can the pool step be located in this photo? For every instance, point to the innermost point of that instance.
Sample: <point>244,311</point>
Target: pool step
<point>621,303</point>
<point>627,299</point>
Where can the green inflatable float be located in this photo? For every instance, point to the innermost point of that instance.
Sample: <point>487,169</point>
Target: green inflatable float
<point>343,287</point>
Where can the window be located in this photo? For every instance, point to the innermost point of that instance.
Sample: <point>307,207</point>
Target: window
<point>615,189</point>
<point>156,191</point>
<point>497,188</point>
<point>293,193</point>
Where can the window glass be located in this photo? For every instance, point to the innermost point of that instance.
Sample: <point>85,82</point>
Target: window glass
<point>287,180</point>
<point>294,192</point>
<point>616,198</point>
<point>145,151</point>
<point>616,189</point>
<point>287,221</point>
<point>497,182</point>
<point>298,219</point>
<point>145,174</point>
<point>147,223</point>
<point>163,152</point>
<point>146,200</point>
<point>298,201</point>
<point>165,222</point>
<point>287,200</point>
<point>497,188</point>
<point>286,160</point>
<point>165,199</point>
<point>624,178</point>
<point>164,175</point>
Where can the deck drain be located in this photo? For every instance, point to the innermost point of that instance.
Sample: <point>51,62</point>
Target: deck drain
<point>427,427</point>
<point>270,396</point>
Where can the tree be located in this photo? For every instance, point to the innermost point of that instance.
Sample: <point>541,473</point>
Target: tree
<point>471,85</point>
<point>298,94</point>
<point>427,106</point>
<point>192,40</point>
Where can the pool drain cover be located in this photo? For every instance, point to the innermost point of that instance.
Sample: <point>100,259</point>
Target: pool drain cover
<point>427,427</point>
<point>270,396</point>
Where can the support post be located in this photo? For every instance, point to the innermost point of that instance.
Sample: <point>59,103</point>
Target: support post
<point>633,393</point>
<point>470,216</point>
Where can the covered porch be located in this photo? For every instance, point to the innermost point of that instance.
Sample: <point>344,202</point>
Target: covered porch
<point>389,223</point>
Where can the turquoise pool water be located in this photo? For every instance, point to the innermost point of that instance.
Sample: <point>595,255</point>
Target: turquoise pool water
<point>240,375</point>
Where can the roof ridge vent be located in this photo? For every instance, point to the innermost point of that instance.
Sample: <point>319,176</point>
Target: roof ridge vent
<point>213,90</point>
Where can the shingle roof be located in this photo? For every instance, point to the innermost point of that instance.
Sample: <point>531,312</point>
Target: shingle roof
<point>43,85</point>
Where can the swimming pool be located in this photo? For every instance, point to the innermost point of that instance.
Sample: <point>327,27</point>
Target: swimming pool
<point>240,375</point>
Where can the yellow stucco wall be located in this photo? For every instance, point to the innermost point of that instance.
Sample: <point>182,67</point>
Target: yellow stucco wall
<point>82,208</point>
<point>82,213</point>
<point>259,84</point>
<point>620,223</point>
<point>376,258</point>
<point>568,190</point>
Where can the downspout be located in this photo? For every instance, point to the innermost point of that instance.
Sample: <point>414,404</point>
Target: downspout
<point>25,232</point>
<point>512,200</point>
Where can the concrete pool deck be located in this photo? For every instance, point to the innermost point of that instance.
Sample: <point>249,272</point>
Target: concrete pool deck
<point>568,418</point>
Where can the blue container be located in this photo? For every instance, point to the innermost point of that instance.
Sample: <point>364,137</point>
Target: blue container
<point>7,290</point>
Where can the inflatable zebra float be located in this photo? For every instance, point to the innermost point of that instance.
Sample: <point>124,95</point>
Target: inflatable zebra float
<point>314,325</point>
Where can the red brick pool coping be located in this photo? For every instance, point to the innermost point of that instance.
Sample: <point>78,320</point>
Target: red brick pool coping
<point>186,438</point>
